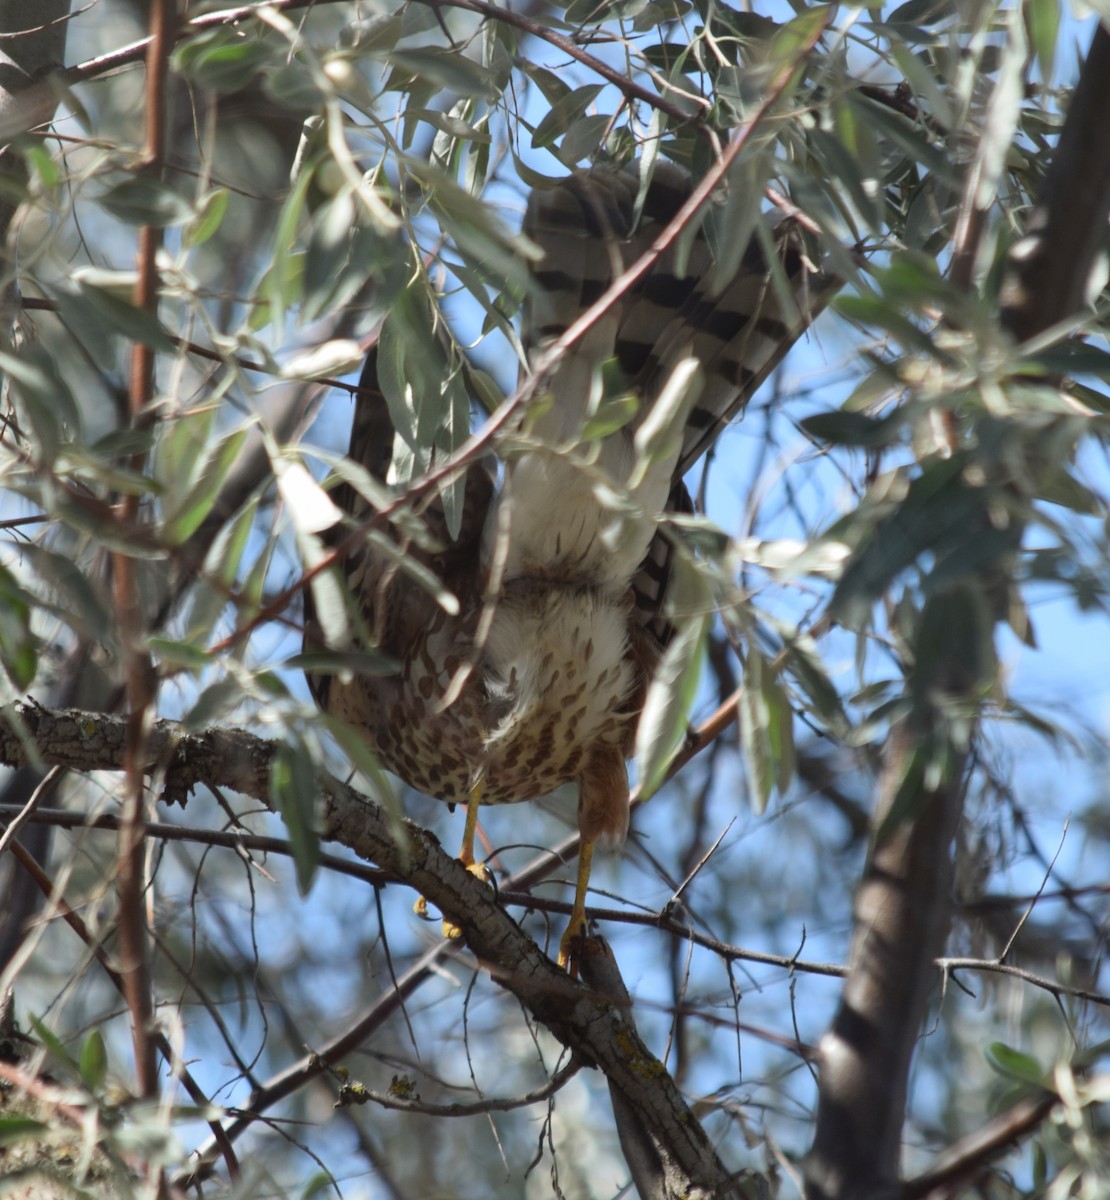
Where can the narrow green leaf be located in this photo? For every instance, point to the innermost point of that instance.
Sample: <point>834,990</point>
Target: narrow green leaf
<point>1044,28</point>
<point>356,747</point>
<point>912,139</point>
<point>660,433</point>
<point>141,200</point>
<point>563,114</point>
<point>227,551</point>
<point>924,82</point>
<point>448,70</point>
<point>18,1129</point>
<point>1014,1064</point>
<point>121,316</point>
<point>854,429</point>
<point>321,1183</point>
<point>209,217</point>
<point>549,83</point>
<point>331,598</point>
<point>1003,113</point>
<point>214,705</point>
<point>327,662</point>
<point>222,60</point>
<point>293,791</point>
<point>875,311</point>
<point>194,502</point>
<point>18,646</point>
<point>755,736</point>
<point>49,403</point>
<point>666,708</point>
<point>54,1045</point>
<point>294,86</point>
<point>94,1060</point>
<point>180,654</point>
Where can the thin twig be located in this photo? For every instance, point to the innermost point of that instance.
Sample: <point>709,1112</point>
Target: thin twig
<point>134,950</point>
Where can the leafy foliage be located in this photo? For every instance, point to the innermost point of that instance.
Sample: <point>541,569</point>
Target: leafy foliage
<point>910,509</point>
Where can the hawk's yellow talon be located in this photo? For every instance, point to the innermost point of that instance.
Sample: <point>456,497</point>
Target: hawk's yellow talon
<point>466,857</point>
<point>569,948</point>
<point>578,927</point>
<point>450,929</point>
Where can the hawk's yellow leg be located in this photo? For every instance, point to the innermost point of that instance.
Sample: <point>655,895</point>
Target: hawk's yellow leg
<point>578,927</point>
<point>466,857</point>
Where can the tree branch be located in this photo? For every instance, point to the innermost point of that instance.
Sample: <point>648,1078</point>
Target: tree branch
<point>592,1027</point>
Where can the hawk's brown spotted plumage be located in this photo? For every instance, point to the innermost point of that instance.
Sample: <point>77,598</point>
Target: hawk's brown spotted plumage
<point>539,678</point>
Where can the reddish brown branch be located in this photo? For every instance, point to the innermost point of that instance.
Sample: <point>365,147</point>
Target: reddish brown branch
<point>134,954</point>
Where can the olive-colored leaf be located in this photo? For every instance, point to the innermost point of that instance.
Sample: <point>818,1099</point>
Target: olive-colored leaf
<point>448,70</point>
<point>563,114</point>
<point>194,496</point>
<point>854,429</point>
<point>663,721</point>
<point>94,1060</point>
<point>209,217</point>
<point>222,60</point>
<point>293,794</point>
<point>1014,1064</point>
<point>766,730</point>
<point>142,200</point>
<point>15,1129</point>
<point>18,645</point>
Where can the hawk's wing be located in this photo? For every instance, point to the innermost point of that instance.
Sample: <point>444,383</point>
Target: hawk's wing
<point>393,608</point>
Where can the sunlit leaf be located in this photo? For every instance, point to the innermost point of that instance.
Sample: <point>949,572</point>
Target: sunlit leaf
<point>209,217</point>
<point>1044,28</point>
<point>336,357</point>
<point>180,654</point>
<point>766,731</point>
<point>663,721</point>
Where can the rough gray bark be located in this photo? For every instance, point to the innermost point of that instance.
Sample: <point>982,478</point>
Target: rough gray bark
<point>901,917</point>
<point>656,1173</point>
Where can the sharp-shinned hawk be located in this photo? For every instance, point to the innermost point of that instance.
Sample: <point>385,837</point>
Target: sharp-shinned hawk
<point>539,677</point>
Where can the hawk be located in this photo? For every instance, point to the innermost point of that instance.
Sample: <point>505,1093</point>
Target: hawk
<point>538,678</point>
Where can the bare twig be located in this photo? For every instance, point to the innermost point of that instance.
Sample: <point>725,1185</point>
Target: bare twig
<point>134,954</point>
